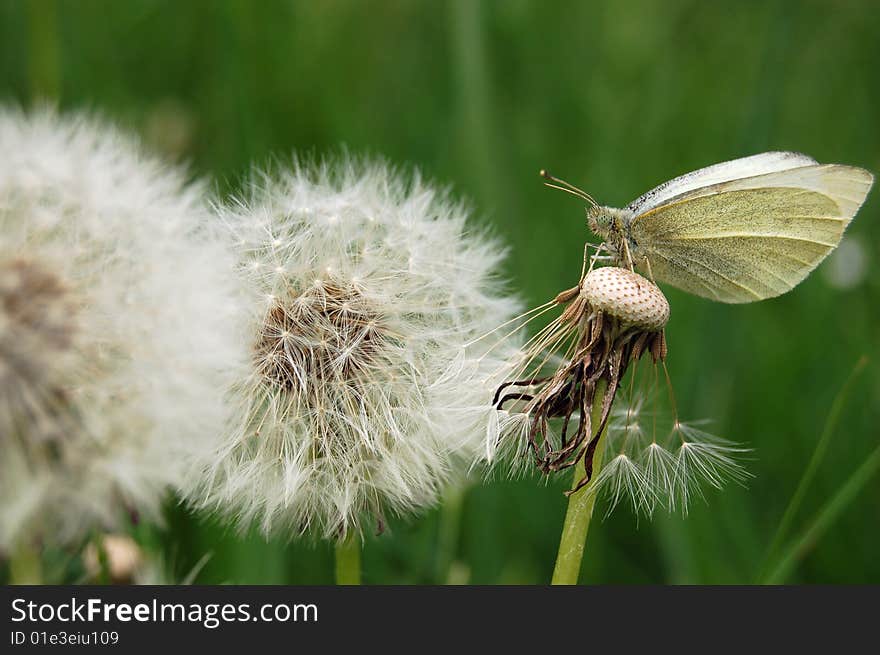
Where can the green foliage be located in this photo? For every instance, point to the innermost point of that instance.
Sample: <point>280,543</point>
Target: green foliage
<point>616,97</point>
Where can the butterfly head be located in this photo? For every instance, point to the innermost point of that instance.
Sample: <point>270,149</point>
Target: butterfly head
<point>606,221</point>
<point>600,220</point>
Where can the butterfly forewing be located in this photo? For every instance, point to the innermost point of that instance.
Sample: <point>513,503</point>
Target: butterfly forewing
<point>751,238</point>
<point>767,162</point>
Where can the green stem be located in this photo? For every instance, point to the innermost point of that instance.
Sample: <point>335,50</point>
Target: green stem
<point>25,566</point>
<point>448,532</point>
<point>579,512</point>
<point>348,560</point>
<point>810,472</point>
<point>824,519</point>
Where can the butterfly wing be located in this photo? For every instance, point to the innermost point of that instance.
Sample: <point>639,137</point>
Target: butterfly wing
<point>767,162</point>
<point>751,238</point>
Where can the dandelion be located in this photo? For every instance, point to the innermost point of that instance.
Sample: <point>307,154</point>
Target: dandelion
<point>363,395</point>
<point>114,325</point>
<point>611,320</point>
<point>615,315</point>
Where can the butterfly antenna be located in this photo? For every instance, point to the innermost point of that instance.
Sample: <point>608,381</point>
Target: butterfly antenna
<point>562,185</point>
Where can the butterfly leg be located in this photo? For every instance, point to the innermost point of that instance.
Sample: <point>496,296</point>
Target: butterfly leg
<point>649,271</point>
<point>628,256</point>
<point>596,257</point>
<point>584,266</point>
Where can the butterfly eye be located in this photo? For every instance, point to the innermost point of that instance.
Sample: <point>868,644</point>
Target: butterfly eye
<point>599,221</point>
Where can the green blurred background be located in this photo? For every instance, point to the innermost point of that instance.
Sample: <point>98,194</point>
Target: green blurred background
<point>615,96</point>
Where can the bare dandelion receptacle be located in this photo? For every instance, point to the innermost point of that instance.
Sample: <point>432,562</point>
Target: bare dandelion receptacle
<point>611,319</point>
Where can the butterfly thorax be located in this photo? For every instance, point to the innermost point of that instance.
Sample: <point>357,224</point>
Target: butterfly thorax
<point>612,226</point>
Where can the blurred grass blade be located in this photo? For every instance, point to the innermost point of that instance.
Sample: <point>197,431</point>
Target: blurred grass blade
<point>810,472</point>
<point>478,147</point>
<point>825,518</point>
<point>25,566</point>
<point>43,50</point>
<point>190,577</point>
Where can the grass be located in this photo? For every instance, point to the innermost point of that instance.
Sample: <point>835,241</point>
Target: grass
<point>822,445</point>
<point>615,97</point>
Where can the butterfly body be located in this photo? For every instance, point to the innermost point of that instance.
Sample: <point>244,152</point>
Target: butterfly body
<point>739,231</point>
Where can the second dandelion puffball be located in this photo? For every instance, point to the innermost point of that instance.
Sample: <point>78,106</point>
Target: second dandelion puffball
<point>363,396</point>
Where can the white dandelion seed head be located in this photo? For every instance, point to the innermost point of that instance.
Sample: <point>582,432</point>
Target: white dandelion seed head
<point>364,393</point>
<point>115,304</point>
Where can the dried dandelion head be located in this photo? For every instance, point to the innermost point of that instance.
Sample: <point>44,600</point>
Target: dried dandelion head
<point>362,395</point>
<point>109,378</point>
<point>612,318</point>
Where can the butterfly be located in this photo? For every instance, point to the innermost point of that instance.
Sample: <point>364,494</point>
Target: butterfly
<point>735,232</point>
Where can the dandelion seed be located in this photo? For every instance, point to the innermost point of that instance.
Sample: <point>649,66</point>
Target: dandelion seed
<point>108,366</point>
<point>362,395</point>
<point>668,465</point>
<point>659,467</point>
<point>702,459</point>
<point>622,478</point>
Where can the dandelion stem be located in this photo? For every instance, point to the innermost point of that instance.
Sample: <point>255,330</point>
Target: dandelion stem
<point>448,532</point>
<point>813,466</point>
<point>825,518</point>
<point>579,512</point>
<point>25,566</point>
<point>348,560</point>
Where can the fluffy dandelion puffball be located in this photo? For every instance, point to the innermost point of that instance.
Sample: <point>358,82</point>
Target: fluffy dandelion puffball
<point>115,322</point>
<point>364,392</point>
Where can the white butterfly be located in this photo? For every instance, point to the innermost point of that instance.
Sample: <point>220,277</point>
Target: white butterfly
<point>735,232</point>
